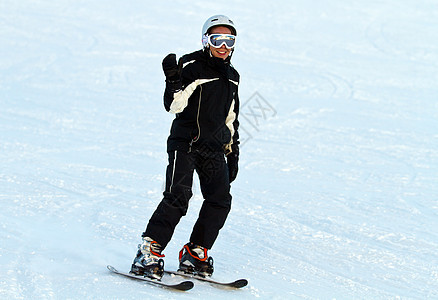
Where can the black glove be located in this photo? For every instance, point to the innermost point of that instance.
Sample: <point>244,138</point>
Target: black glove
<point>233,165</point>
<point>171,68</point>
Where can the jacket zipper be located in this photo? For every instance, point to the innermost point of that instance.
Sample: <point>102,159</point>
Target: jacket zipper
<point>196,138</point>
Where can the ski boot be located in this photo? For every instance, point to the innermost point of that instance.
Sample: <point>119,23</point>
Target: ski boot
<point>193,259</point>
<point>148,261</point>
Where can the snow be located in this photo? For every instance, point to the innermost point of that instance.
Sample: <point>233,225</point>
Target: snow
<point>337,192</point>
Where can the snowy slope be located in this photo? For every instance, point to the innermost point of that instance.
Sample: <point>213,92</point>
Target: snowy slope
<point>337,193</point>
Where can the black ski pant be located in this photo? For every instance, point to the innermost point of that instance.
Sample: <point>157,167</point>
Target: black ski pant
<point>215,188</point>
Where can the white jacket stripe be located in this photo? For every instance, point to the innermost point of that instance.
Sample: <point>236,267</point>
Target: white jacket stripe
<point>181,98</point>
<point>230,120</point>
<point>235,82</point>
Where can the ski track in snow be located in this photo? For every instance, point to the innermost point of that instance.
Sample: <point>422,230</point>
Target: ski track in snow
<point>336,195</point>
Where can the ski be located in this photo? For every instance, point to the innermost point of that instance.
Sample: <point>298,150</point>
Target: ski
<point>240,283</point>
<point>182,286</point>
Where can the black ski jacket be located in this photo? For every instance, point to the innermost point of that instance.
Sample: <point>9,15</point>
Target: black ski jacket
<point>206,103</point>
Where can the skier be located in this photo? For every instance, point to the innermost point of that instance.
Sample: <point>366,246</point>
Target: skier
<point>202,90</point>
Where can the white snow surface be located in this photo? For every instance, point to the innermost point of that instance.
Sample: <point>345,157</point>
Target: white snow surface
<point>337,194</point>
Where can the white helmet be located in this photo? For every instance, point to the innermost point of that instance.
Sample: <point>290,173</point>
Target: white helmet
<point>216,20</point>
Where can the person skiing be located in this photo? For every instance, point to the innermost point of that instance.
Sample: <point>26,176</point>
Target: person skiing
<point>202,91</point>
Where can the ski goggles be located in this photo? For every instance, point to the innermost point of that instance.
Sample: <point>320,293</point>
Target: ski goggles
<point>216,40</point>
